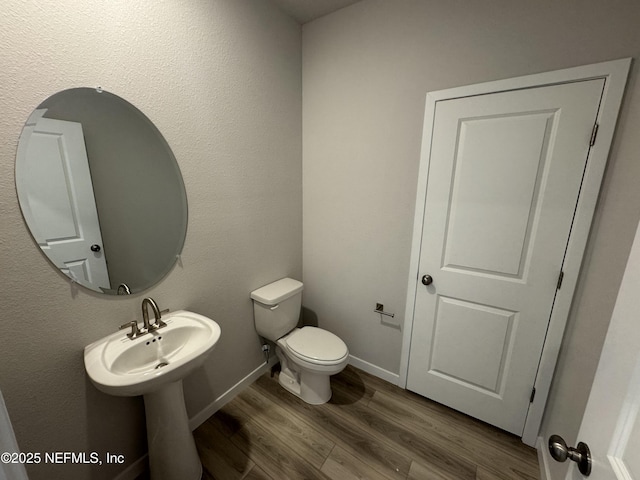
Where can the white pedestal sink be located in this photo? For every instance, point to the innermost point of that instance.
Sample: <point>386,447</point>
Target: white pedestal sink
<point>153,365</point>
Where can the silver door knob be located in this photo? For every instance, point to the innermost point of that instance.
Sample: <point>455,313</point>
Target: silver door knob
<point>581,454</point>
<point>427,279</point>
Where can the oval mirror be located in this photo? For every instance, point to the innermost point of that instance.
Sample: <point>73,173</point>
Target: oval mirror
<point>101,191</point>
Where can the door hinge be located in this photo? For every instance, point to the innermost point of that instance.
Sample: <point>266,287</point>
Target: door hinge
<point>533,395</point>
<point>560,277</point>
<point>594,134</point>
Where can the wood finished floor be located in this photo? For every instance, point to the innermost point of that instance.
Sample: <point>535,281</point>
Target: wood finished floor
<point>370,429</point>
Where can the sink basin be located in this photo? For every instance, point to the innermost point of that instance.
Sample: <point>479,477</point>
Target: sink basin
<point>120,366</point>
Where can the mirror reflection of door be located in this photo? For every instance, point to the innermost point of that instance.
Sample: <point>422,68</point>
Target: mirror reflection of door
<point>58,199</point>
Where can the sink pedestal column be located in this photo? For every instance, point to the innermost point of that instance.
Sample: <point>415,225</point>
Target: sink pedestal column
<point>172,450</point>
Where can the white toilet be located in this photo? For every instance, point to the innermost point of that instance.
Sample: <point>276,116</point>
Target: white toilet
<point>309,355</point>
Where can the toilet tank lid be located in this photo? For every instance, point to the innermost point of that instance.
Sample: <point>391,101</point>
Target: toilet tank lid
<point>276,292</point>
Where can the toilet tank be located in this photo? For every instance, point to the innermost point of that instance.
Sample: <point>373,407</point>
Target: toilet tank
<point>276,308</point>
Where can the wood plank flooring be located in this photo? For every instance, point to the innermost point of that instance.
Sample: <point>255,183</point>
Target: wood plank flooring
<point>370,429</point>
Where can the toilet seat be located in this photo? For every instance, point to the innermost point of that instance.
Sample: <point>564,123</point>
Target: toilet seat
<point>317,346</point>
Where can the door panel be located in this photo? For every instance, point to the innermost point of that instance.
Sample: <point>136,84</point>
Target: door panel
<point>458,324</point>
<point>489,221</point>
<point>51,205</point>
<point>505,171</point>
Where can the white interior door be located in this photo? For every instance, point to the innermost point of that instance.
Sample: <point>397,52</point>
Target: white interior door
<point>611,423</point>
<point>57,199</point>
<point>505,171</point>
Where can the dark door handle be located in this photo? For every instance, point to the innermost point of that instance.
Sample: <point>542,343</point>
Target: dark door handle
<point>95,247</point>
<point>581,454</point>
<point>427,279</point>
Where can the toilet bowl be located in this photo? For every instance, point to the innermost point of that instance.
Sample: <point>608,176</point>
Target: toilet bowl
<point>308,355</point>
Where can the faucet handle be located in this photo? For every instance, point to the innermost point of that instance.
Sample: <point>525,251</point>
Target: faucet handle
<point>135,331</point>
<point>157,322</point>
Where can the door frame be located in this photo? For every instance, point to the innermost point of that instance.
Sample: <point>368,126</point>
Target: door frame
<point>615,74</point>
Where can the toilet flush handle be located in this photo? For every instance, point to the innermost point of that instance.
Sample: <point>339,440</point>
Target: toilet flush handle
<point>274,307</point>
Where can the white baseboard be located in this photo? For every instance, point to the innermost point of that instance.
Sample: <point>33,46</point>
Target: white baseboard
<point>199,418</point>
<point>374,370</point>
<point>544,457</point>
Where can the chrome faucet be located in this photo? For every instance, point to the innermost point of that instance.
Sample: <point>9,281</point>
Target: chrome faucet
<point>148,326</point>
<point>157,323</point>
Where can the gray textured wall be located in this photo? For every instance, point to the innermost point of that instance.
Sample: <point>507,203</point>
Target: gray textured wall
<point>366,71</point>
<point>221,80</point>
